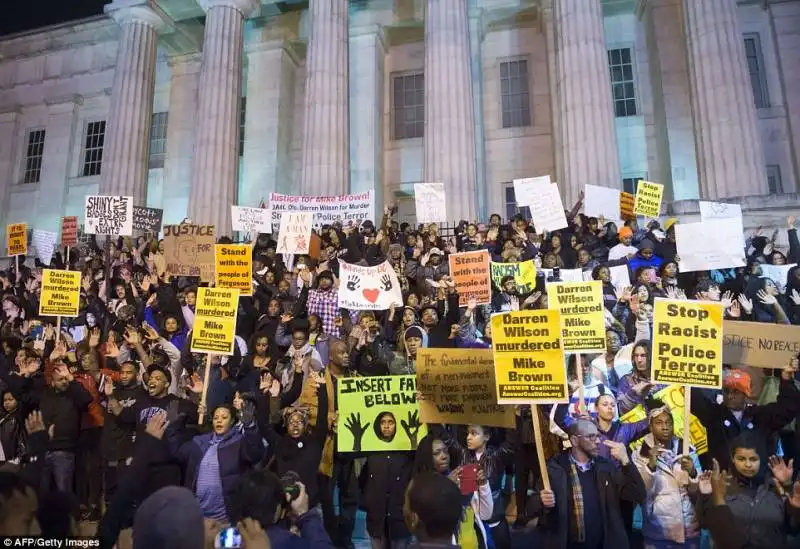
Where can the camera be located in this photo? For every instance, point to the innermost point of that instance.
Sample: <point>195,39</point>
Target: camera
<point>289,484</point>
<point>229,538</point>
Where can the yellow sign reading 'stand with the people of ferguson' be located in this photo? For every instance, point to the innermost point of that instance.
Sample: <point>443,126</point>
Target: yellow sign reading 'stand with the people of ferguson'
<point>529,358</point>
<point>378,414</point>
<point>61,293</point>
<point>687,343</point>
<point>234,267</point>
<point>215,321</point>
<point>583,324</point>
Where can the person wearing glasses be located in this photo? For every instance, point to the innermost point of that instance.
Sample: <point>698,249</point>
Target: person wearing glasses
<point>581,510</point>
<point>726,421</point>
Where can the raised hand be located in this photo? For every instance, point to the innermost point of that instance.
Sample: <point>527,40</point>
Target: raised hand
<point>286,318</point>
<point>248,412</point>
<point>64,371</point>
<point>795,297</point>
<point>353,424</point>
<point>150,332</point>
<point>618,451</point>
<point>735,310</point>
<point>112,350</point>
<point>157,425</point>
<point>766,298</point>
<point>411,427</point>
<point>781,471</point>
<point>132,337</point>
<point>704,483</point>
<point>726,299</point>
<point>794,497</point>
<point>94,338</point>
<point>59,351</point>
<point>747,305</point>
<point>108,387</point>
<point>719,484</point>
<point>34,423</point>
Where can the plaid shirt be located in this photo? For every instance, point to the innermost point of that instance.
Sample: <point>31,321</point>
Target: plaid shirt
<point>326,306</point>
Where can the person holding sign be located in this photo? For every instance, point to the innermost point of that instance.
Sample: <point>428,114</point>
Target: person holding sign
<point>582,509</point>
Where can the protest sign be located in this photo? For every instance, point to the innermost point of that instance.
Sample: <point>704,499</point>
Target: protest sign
<point>61,293</point>
<point>759,344</point>
<point>69,231</point>
<point>347,209</point>
<point>189,250</point>
<point>234,267</point>
<point>45,244</point>
<point>215,321</point>
<point>147,219</point>
<point>580,304</point>
<point>719,210</point>
<point>460,389</point>
<point>626,201</point>
<point>672,397</point>
<point>564,275</point>
<point>524,275</point>
<point>109,215</point>
<point>708,245</point>
<point>779,274</point>
<point>602,201</point>
<point>687,343</point>
<point>17,239</point>
<point>620,276</point>
<point>470,270</point>
<point>430,202</point>
<point>294,235</point>
<point>528,358</point>
<point>252,221</point>
<point>547,211</point>
<point>378,414</point>
<point>648,199</point>
<point>527,190</point>
<point>368,288</point>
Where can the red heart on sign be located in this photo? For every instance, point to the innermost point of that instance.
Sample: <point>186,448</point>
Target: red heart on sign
<point>371,295</point>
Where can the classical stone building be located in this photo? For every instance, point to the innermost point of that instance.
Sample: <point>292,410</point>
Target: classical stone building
<point>192,105</point>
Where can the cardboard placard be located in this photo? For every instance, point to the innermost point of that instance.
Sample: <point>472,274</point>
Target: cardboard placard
<point>45,244</point>
<point>708,245</point>
<point>626,201</point>
<point>759,344</point>
<point>234,267</point>
<point>368,288</point>
<point>365,401</point>
<point>687,343</point>
<point>189,250</point>
<point>61,293</point>
<point>529,358</point>
<point>460,389</point>
<point>251,221</point>
<point>294,235</point>
<point>648,199</point>
<point>347,209</point>
<point>583,325</point>
<point>524,275</point>
<point>17,239</point>
<point>109,215</point>
<point>69,231</point>
<point>147,219</point>
<point>215,321</point>
<point>470,270</point>
<point>430,202</point>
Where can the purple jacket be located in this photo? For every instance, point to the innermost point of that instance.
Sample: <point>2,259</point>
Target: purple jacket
<point>621,432</point>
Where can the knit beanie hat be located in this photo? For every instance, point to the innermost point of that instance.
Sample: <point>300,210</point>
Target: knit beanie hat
<point>169,519</point>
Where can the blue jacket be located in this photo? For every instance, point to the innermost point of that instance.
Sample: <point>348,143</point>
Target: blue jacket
<point>638,261</point>
<point>312,534</point>
<point>238,452</point>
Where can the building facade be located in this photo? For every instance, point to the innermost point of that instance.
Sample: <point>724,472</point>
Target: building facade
<point>194,105</point>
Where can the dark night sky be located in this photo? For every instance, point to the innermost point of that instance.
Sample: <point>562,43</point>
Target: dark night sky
<point>31,14</point>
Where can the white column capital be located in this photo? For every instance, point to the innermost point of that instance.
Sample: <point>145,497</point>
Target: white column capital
<point>139,11</point>
<point>188,63</point>
<point>247,8</point>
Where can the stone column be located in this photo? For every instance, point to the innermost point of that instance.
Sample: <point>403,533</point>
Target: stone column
<point>8,147</point>
<point>267,162</point>
<point>180,137</point>
<point>730,160</point>
<point>586,126</point>
<point>62,121</point>
<point>449,116</point>
<point>366,121</point>
<point>216,154</point>
<point>325,168</point>
<point>124,170</point>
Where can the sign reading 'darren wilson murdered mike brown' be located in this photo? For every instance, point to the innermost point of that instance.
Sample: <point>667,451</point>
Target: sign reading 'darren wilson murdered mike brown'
<point>215,321</point>
<point>61,293</point>
<point>583,325</point>
<point>528,357</point>
<point>687,343</point>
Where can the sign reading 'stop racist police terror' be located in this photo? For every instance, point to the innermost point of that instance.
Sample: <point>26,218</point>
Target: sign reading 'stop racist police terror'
<point>687,343</point>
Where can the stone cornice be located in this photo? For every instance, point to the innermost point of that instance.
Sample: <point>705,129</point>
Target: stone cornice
<point>8,116</point>
<point>64,100</point>
<point>248,8</point>
<point>187,63</point>
<point>139,11</point>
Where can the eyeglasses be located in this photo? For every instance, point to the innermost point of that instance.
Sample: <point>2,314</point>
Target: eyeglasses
<point>594,438</point>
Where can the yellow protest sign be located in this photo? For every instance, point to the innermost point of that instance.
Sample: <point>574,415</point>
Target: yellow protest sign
<point>215,321</point>
<point>687,343</point>
<point>234,267</point>
<point>524,275</point>
<point>378,414</point>
<point>61,293</point>
<point>459,388</point>
<point>17,238</point>
<point>648,199</point>
<point>583,324</point>
<point>528,358</point>
<point>672,397</point>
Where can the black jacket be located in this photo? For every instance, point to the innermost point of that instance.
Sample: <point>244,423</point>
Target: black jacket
<point>118,436</point>
<point>387,476</point>
<point>613,484</point>
<point>12,435</point>
<point>764,421</point>
<point>64,410</point>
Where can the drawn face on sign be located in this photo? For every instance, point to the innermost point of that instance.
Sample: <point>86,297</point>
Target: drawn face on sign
<point>187,251</point>
<point>385,426</point>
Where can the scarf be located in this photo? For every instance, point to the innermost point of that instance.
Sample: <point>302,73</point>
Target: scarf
<point>578,527</point>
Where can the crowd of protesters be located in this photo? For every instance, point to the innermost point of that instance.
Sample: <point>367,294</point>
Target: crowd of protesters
<point>100,419</point>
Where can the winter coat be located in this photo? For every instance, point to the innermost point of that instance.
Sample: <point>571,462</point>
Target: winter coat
<point>12,435</point>
<point>387,476</point>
